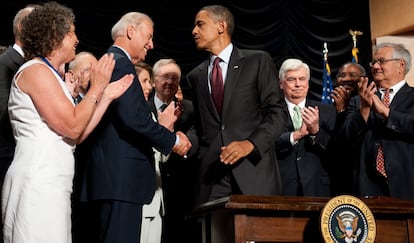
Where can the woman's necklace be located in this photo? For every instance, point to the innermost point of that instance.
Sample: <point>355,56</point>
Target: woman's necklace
<point>50,65</point>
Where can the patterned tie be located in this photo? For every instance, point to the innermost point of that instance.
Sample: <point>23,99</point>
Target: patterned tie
<point>380,154</point>
<point>297,118</point>
<point>217,86</point>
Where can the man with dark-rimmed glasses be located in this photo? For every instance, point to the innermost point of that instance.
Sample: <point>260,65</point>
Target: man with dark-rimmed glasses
<point>382,117</point>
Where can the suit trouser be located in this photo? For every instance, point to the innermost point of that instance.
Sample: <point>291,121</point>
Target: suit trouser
<point>118,221</point>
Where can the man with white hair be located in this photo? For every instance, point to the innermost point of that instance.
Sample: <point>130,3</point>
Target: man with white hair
<point>302,146</point>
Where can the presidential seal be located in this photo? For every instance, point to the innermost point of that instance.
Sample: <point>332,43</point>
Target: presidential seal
<point>346,219</point>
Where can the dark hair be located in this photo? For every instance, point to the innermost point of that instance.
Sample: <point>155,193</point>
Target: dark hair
<point>145,66</point>
<point>221,13</point>
<point>44,29</point>
<point>357,65</point>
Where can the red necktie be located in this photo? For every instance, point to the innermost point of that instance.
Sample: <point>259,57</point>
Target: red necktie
<point>217,86</point>
<point>380,154</point>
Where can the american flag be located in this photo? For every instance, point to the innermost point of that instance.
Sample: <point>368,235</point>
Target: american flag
<point>326,79</point>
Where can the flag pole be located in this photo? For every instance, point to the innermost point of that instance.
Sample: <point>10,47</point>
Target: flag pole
<point>326,79</point>
<point>355,51</point>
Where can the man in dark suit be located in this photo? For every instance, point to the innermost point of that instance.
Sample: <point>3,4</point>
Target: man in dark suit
<point>236,135</point>
<point>120,178</point>
<point>178,172</point>
<point>302,147</point>
<point>343,153</point>
<point>10,60</point>
<point>383,117</point>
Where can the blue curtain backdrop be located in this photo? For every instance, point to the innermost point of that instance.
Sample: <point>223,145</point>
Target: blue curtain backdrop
<point>284,28</point>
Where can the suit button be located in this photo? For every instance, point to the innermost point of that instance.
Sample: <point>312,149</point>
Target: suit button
<point>298,158</point>
<point>222,127</point>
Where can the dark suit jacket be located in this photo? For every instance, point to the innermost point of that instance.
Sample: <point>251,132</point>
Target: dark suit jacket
<point>179,177</point>
<point>186,120</point>
<point>10,61</point>
<point>345,155</point>
<point>304,167</point>
<point>120,165</point>
<point>397,136</point>
<point>252,110</point>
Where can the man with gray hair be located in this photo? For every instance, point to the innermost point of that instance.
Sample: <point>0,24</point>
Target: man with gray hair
<point>120,178</point>
<point>178,173</point>
<point>301,148</point>
<point>382,115</point>
<point>10,60</point>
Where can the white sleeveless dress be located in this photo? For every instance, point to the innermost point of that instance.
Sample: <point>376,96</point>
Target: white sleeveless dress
<point>36,204</point>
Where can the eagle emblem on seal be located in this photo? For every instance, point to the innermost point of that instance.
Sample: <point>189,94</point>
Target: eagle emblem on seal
<point>348,227</point>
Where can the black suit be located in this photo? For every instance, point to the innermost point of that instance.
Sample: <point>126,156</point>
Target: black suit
<point>10,61</point>
<point>120,168</point>
<point>178,179</point>
<point>345,155</point>
<point>397,137</point>
<point>303,167</point>
<point>252,110</point>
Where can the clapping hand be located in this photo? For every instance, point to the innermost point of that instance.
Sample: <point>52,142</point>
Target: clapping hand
<point>117,88</point>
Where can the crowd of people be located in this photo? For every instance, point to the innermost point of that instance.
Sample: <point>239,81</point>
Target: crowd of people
<point>106,149</point>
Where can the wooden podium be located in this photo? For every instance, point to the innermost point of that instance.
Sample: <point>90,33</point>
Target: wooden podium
<point>253,219</point>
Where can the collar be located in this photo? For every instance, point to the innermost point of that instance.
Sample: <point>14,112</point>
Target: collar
<point>157,102</point>
<point>395,88</point>
<point>224,54</point>
<point>18,49</point>
<point>291,105</point>
<point>122,49</point>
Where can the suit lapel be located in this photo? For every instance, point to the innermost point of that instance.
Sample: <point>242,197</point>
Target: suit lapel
<point>151,103</point>
<point>204,88</point>
<point>289,126</point>
<point>16,58</point>
<point>400,95</point>
<point>233,74</point>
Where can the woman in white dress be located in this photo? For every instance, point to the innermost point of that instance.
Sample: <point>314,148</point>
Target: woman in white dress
<point>36,205</point>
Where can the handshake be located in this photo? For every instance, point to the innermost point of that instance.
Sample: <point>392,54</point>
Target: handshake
<point>183,146</point>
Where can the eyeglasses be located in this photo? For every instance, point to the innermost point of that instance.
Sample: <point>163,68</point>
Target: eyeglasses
<point>352,75</point>
<point>164,78</point>
<point>382,61</point>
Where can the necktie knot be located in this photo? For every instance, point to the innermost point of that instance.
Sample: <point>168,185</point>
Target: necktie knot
<point>386,96</point>
<point>216,61</point>
<point>163,106</point>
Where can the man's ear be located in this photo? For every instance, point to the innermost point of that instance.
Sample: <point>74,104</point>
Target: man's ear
<point>130,32</point>
<point>221,27</point>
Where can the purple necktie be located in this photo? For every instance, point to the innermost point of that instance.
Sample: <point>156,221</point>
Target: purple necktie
<point>217,86</point>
